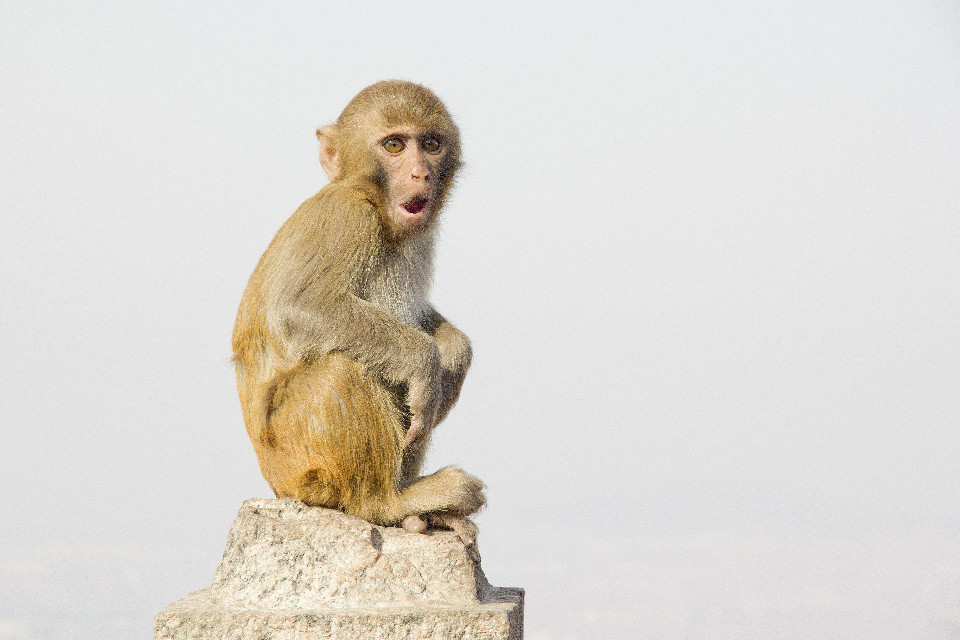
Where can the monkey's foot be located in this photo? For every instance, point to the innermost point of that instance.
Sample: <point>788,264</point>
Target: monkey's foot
<point>465,530</point>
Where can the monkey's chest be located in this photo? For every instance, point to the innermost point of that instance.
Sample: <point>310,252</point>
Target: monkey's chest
<point>399,288</point>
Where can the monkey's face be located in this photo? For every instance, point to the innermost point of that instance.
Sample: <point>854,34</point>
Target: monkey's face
<point>410,161</point>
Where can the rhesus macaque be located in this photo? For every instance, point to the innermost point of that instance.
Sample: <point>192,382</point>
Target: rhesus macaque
<point>343,366</point>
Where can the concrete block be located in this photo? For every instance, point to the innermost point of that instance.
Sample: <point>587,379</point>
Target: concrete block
<point>293,571</point>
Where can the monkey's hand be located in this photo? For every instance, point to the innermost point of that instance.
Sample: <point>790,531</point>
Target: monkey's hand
<point>424,397</point>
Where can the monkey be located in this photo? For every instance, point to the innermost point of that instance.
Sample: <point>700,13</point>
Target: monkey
<point>343,366</point>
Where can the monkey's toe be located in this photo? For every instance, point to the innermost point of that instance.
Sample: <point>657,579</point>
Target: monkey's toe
<point>464,528</point>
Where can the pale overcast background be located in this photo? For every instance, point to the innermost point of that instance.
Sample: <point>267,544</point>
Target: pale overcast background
<point>708,254</point>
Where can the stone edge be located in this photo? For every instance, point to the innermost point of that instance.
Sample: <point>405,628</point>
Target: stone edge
<point>498,603</point>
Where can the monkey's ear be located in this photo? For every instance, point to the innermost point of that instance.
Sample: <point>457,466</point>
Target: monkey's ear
<point>328,151</point>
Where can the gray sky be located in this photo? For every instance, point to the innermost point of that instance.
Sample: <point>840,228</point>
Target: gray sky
<point>708,254</point>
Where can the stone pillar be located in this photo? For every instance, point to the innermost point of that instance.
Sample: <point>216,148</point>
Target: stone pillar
<point>296,572</point>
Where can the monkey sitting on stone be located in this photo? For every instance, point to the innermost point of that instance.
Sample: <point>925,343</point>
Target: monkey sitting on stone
<point>343,366</point>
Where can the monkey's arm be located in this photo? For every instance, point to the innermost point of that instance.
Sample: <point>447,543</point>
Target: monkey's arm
<point>318,268</point>
<point>455,357</point>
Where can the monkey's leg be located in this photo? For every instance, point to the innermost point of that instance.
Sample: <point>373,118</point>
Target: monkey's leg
<point>415,451</point>
<point>412,461</point>
<point>337,436</point>
<point>413,456</point>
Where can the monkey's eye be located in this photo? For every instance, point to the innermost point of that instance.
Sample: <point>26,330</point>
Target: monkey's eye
<point>431,145</point>
<point>393,145</point>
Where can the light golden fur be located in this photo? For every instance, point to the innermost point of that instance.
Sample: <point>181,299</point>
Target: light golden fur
<point>343,366</point>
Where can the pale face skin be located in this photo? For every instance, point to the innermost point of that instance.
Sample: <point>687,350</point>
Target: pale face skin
<point>411,157</point>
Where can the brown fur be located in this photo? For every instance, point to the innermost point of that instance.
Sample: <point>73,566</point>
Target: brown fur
<point>343,367</point>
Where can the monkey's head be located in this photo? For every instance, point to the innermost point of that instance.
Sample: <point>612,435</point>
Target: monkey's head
<point>397,137</point>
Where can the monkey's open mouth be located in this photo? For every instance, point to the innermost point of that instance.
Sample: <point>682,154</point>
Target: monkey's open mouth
<point>415,205</point>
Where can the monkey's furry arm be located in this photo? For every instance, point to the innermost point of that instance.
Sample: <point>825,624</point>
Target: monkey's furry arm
<point>325,247</point>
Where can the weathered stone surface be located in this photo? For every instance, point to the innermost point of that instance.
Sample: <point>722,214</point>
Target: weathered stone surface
<point>201,615</point>
<point>293,571</point>
<point>282,553</point>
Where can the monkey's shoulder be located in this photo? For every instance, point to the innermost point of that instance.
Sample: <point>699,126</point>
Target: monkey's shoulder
<point>335,218</point>
<point>338,209</point>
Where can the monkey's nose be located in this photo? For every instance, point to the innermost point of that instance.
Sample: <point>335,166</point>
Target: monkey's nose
<point>420,170</point>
